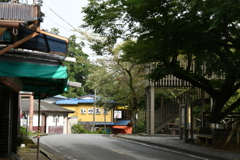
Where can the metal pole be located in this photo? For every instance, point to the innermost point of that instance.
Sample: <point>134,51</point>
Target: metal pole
<point>94,111</point>
<point>105,127</point>
<point>27,123</point>
<point>191,117</point>
<point>185,121</point>
<point>30,126</point>
<point>38,133</point>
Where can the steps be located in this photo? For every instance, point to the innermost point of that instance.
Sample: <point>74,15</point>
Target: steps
<point>170,111</point>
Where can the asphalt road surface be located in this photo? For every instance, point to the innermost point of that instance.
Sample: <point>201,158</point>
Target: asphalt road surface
<point>105,147</point>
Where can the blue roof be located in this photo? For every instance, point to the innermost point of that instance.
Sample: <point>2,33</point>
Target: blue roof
<point>74,101</point>
<point>98,123</point>
<point>122,122</point>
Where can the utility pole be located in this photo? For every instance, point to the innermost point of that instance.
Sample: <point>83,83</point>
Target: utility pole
<point>94,111</point>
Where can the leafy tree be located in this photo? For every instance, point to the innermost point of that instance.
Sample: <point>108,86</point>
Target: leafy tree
<point>119,81</point>
<point>54,31</point>
<point>204,34</point>
<point>79,71</point>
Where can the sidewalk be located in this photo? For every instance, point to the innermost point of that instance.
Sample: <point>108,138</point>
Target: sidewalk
<point>31,154</point>
<point>174,142</point>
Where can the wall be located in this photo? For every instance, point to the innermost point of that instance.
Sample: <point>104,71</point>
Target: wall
<point>55,120</point>
<point>85,114</point>
<point>49,118</point>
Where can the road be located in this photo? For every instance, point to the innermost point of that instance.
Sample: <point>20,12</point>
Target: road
<point>105,147</point>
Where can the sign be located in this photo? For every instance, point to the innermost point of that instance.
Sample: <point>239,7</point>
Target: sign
<point>98,111</point>
<point>122,107</point>
<point>90,111</point>
<point>105,111</point>
<point>118,114</point>
<point>83,111</point>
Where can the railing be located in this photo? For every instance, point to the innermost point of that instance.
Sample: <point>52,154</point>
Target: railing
<point>19,12</point>
<point>171,81</point>
<point>171,108</point>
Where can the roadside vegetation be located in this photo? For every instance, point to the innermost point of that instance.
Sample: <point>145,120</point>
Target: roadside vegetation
<point>24,138</point>
<point>79,129</point>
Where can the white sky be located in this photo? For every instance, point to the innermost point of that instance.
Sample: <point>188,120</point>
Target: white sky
<point>69,11</point>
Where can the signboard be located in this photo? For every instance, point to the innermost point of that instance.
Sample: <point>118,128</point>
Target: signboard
<point>105,111</point>
<point>83,111</point>
<point>118,114</point>
<point>98,111</point>
<point>90,111</point>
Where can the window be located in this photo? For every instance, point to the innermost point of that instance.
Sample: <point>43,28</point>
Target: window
<point>55,117</point>
<point>127,113</point>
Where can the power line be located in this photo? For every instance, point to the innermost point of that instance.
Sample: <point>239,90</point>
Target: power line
<point>56,23</point>
<point>60,17</point>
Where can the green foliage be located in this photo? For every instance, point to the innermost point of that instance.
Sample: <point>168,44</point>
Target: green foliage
<point>79,71</point>
<point>78,128</point>
<point>118,81</point>
<point>23,130</point>
<point>197,110</point>
<point>177,37</point>
<point>54,31</point>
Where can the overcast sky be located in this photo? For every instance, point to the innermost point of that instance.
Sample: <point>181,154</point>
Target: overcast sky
<point>63,15</point>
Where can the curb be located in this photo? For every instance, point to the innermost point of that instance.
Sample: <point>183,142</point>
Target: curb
<point>47,154</point>
<point>177,148</point>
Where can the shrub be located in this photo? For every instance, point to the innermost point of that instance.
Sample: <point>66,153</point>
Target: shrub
<point>23,131</point>
<point>78,128</point>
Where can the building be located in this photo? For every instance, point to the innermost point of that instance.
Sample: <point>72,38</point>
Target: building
<point>122,117</point>
<point>83,108</point>
<point>53,118</point>
<point>31,60</point>
<point>53,99</point>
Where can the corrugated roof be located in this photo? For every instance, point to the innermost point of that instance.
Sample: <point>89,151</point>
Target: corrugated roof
<point>89,96</point>
<point>44,107</point>
<point>54,99</point>
<point>98,123</point>
<point>122,122</point>
<point>74,101</point>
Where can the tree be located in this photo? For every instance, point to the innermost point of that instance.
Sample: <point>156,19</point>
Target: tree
<point>204,34</point>
<point>121,82</point>
<point>79,71</point>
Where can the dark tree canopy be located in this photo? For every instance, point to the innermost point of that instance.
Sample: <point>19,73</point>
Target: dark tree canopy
<point>202,35</point>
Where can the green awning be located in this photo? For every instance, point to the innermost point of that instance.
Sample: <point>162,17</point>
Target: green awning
<point>36,75</point>
<point>23,69</point>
